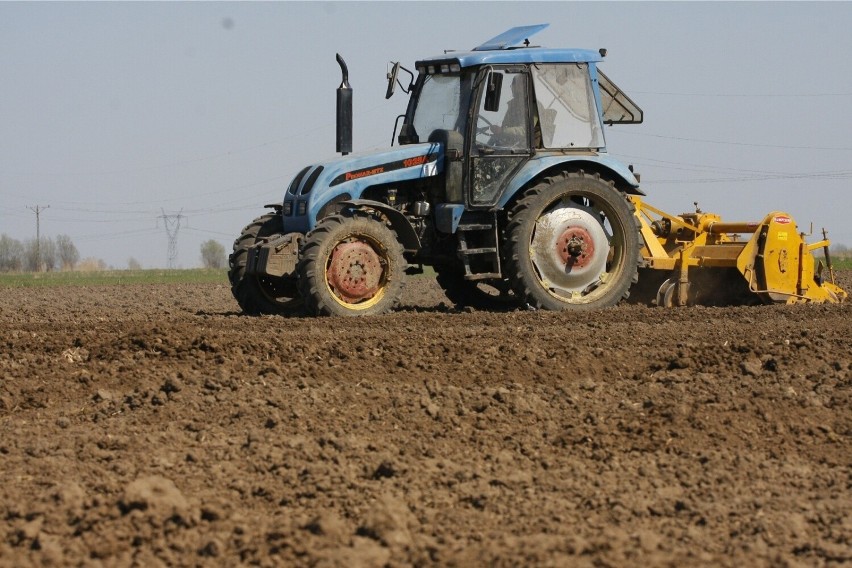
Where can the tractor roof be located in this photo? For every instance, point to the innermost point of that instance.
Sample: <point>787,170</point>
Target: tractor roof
<point>512,47</point>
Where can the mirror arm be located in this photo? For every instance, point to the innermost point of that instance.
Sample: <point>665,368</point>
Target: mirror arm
<point>395,124</point>
<point>410,81</point>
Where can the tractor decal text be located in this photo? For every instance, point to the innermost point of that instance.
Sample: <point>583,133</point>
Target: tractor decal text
<point>389,167</point>
<point>364,173</point>
<point>418,161</point>
<point>782,219</point>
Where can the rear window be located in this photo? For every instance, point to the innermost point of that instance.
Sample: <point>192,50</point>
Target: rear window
<point>617,107</point>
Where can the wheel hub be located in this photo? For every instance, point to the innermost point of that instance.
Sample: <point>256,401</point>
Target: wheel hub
<point>355,271</point>
<point>575,247</point>
<point>570,248</point>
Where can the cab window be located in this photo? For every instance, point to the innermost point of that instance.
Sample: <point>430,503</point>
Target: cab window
<point>567,109</point>
<point>507,126</point>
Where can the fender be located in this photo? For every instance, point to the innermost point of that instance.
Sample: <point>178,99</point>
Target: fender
<point>399,222</point>
<point>617,171</point>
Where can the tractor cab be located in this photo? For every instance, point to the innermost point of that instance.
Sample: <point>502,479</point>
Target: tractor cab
<point>504,104</point>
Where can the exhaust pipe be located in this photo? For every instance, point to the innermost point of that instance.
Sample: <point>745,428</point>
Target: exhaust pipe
<point>344,111</point>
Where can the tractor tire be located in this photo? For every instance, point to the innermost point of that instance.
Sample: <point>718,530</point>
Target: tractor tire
<point>351,264</point>
<point>573,244</point>
<point>480,295</point>
<point>257,294</point>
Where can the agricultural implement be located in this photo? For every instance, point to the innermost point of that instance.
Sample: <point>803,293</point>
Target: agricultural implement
<point>705,260</point>
<point>501,182</point>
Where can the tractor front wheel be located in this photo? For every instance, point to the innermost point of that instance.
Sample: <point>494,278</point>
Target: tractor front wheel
<point>573,244</point>
<point>351,265</point>
<point>261,294</point>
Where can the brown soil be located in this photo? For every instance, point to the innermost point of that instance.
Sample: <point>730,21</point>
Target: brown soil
<point>156,426</point>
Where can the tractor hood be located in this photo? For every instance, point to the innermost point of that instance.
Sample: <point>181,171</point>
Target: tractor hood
<point>347,177</point>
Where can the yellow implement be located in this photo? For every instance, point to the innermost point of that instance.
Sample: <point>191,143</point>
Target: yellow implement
<point>695,258</point>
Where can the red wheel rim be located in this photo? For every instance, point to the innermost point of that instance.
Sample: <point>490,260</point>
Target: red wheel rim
<point>355,271</point>
<point>575,247</point>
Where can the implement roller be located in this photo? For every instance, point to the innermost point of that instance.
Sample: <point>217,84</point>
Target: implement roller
<point>702,260</point>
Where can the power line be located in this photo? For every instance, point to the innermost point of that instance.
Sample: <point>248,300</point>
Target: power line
<point>115,235</point>
<point>300,135</point>
<point>744,95</point>
<point>715,168</point>
<point>118,207</point>
<point>221,234</point>
<point>730,143</point>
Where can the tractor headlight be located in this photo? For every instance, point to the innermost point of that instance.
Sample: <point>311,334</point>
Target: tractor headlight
<point>288,208</point>
<point>301,207</point>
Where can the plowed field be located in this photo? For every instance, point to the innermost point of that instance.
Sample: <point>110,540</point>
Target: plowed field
<point>156,426</point>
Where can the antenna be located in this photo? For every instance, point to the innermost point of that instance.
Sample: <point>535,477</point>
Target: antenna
<point>172,225</point>
<point>37,210</point>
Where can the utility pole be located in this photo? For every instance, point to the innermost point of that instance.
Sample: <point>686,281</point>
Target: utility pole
<point>37,210</point>
<point>172,225</point>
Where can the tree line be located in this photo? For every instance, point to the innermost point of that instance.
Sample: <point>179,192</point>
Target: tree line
<point>50,254</point>
<point>38,255</point>
<point>841,251</point>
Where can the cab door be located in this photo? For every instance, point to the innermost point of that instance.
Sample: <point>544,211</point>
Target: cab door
<point>501,139</point>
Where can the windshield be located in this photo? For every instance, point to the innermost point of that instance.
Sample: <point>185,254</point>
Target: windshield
<point>441,104</point>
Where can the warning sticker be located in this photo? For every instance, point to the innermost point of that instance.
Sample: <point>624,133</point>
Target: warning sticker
<point>782,235</point>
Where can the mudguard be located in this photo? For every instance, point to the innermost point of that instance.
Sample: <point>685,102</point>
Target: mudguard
<point>399,222</point>
<point>542,163</point>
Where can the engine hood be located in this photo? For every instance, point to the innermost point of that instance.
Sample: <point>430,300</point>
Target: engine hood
<point>350,175</point>
<point>371,168</point>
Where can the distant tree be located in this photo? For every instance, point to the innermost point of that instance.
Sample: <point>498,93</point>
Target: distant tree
<point>66,252</point>
<point>91,264</point>
<point>841,251</point>
<point>133,264</point>
<point>212,254</point>
<point>49,254</point>
<point>30,258</point>
<point>11,254</point>
<point>39,255</point>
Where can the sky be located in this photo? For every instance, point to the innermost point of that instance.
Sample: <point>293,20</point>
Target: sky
<point>123,121</point>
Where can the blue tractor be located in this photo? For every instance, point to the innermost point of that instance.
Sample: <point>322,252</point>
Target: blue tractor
<point>500,182</point>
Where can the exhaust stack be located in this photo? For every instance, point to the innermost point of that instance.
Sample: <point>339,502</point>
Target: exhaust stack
<point>344,111</point>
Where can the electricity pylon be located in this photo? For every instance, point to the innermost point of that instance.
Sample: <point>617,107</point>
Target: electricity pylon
<point>172,225</point>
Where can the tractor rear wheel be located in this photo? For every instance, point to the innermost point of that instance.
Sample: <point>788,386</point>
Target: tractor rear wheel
<point>258,294</point>
<point>351,264</point>
<point>573,244</point>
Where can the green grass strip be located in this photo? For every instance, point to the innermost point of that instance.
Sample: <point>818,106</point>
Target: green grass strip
<point>114,277</point>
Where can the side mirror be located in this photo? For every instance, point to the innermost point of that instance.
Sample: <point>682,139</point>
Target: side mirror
<point>392,77</point>
<point>492,91</point>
